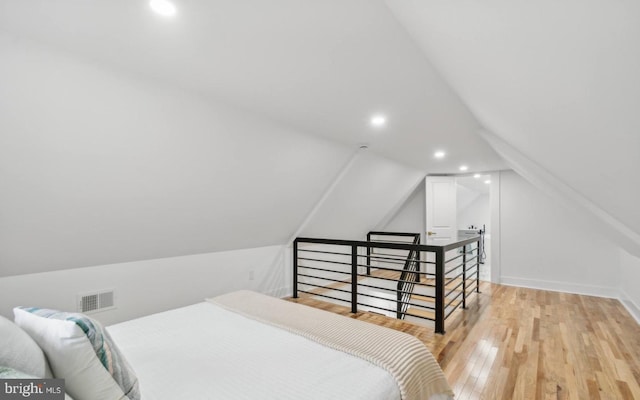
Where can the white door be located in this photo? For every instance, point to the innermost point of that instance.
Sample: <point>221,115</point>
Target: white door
<point>441,208</point>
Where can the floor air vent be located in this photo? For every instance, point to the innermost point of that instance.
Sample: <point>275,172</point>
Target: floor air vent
<point>96,301</point>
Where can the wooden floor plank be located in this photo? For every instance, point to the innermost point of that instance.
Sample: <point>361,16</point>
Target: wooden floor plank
<point>518,343</point>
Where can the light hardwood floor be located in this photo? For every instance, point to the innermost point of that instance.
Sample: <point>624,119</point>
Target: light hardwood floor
<point>517,343</point>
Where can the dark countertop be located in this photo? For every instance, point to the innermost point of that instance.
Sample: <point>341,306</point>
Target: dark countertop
<point>451,243</point>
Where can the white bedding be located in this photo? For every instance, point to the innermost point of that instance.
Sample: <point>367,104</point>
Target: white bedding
<point>206,352</point>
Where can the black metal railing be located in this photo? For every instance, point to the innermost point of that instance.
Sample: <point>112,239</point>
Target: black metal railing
<point>408,279</point>
<point>408,276</point>
<point>392,277</point>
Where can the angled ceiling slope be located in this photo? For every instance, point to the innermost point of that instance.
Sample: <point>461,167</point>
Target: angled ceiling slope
<point>320,67</point>
<point>97,168</point>
<point>555,85</point>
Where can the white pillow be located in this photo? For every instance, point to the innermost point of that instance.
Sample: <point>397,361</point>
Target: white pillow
<point>20,352</point>
<point>81,352</point>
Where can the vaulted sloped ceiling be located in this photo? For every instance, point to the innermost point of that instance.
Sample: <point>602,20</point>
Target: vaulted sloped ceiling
<point>99,169</point>
<point>555,83</point>
<point>368,190</point>
<point>318,67</point>
<point>126,136</point>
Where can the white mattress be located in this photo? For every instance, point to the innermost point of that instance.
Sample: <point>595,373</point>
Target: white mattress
<point>205,352</point>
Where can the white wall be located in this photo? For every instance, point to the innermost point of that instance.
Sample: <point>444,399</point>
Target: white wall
<point>370,189</point>
<point>630,278</point>
<point>546,246</point>
<point>477,213</point>
<point>540,244</point>
<point>411,216</point>
<point>100,167</point>
<point>574,116</point>
<point>464,196</point>
<point>150,286</point>
<point>112,181</point>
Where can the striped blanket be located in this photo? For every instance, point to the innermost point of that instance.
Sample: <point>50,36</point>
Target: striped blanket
<point>417,373</point>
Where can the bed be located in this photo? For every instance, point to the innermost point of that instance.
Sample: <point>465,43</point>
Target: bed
<point>245,345</point>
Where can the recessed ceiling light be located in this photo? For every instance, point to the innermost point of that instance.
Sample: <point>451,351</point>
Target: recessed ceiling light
<point>488,181</point>
<point>378,121</point>
<point>163,7</point>
<point>463,168</point>
<point>477,176</point>
<point>439,154</point>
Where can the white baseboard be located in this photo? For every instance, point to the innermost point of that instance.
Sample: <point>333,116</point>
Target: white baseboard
<point>630,305</point>
<point>567,287</point>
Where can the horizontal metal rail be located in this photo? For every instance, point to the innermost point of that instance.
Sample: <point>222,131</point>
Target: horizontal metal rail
<point>446,288</point>
<point>385,233</point>
<point>470,290</point>
<point>462,264</point>
<point>322,295</point>
<point>360,275</point>
<point>451,300</point>
<point>345,283</point>
<point>326,288</point>
<point>384,245</point>
<point>326,270</point>
<point>374,257</point>
<point>392,241</point>
<point>455,288</point>
<point>458,256</point>
<point>422,306</point>
<point>361,304</point>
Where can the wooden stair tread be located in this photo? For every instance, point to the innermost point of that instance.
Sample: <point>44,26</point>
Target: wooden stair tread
<point>423,298</point>
<point>451,284</point>
<point>426,299</point>
<point>413,312</point>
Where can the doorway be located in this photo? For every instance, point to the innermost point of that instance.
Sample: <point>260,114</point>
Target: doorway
<point>473,211</point>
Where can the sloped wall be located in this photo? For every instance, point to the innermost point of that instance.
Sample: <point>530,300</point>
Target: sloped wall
<point>543,244</point>
<point>547,246</point>
<point>112,181</point>
<point>564,96</point>
<point>99,167</point>
<point>368,191</point>
<point>411,216</point>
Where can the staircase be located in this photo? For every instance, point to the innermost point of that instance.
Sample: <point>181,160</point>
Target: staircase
<point>408,278</point>
<point>397,276</point>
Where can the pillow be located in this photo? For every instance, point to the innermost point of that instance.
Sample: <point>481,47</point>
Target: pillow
<point>20,352</point>
<point>80,351</point>
<point>11,373</point>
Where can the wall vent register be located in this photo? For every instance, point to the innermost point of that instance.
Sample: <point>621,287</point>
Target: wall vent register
<point>96,301</point>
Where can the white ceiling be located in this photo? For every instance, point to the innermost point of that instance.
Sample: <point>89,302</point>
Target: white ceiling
<point>558,81</point>
<point>321,67</point>
<point>473,184</point>
<point>99,169</point>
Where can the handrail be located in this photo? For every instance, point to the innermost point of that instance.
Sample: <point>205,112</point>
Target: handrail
<point>387,245</point>
<point>405,289</point>
<point>444,290</point>
<point>396,234</point>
